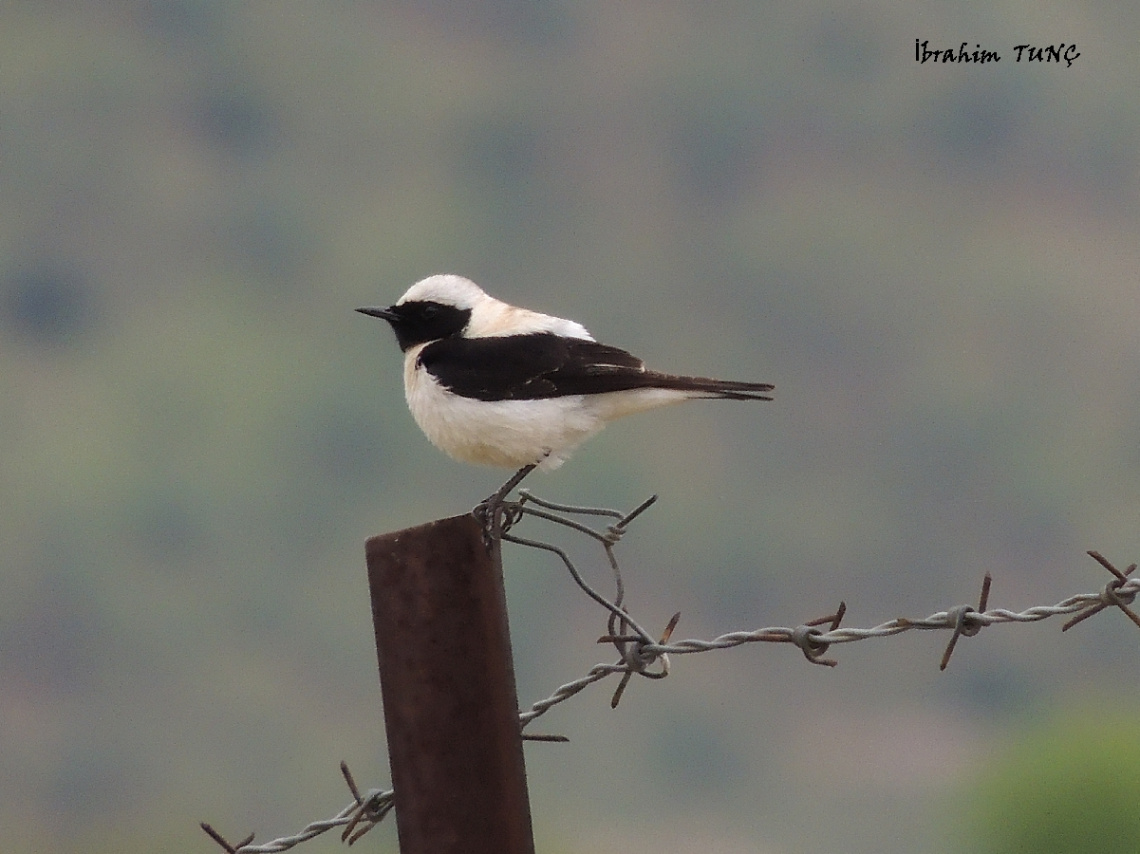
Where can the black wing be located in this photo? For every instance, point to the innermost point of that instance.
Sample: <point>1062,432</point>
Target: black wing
<point>530,367</point>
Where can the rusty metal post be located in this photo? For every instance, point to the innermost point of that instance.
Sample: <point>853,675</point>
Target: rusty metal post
<point>450,705</point>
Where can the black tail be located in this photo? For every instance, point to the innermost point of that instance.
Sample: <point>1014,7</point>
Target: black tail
<point>721,389</point>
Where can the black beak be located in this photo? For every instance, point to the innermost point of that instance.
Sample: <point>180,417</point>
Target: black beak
<point>382,313</point>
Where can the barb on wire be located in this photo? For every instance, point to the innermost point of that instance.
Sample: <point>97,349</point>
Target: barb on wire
<point>964,626</point>
<point>1113,594</point>
<point>806,637</point>
<point>642,654</point>
<point>364,813</point>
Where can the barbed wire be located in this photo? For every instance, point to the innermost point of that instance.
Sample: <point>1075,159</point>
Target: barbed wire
<point>366,810</point>
<point>642,654</point>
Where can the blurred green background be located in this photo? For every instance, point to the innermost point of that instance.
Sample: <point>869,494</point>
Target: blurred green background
<point>938,266</point>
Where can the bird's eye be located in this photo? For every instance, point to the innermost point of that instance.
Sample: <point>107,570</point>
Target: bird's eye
<point>430,311</point>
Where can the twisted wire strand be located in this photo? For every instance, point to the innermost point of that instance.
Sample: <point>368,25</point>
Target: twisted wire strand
<point>938,620</point>
<point>371,809</point>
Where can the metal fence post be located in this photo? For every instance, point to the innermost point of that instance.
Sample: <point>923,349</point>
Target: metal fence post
<point>447,678</point>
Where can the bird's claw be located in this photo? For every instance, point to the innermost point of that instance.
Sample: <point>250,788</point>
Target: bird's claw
<point>496,517</point>
<point>495,513</point>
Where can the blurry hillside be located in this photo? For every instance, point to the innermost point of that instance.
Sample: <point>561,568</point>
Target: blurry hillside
<point>937,266</point>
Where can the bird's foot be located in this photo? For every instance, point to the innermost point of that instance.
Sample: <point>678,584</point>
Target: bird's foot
<point>491,510</point>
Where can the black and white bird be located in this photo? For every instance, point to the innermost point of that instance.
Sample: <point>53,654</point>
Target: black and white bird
<point>495,384</point>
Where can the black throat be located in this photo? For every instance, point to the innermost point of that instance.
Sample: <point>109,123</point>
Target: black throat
<point>417,322</point>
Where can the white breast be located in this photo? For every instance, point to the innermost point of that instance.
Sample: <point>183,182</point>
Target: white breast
<point>509,433</point>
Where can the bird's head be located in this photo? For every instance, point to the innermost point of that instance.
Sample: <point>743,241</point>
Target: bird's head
<point>433,308</point>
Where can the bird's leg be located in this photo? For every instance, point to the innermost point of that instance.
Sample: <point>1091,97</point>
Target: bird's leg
<point>489,510</point>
